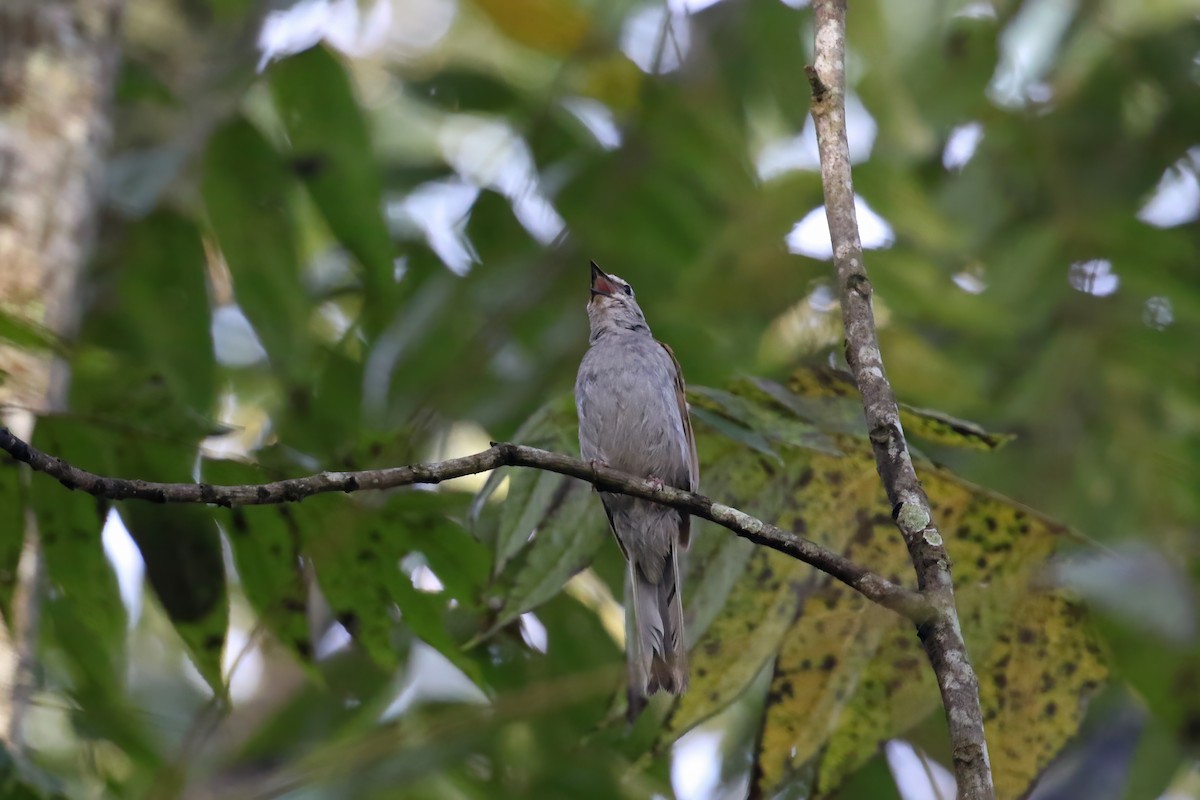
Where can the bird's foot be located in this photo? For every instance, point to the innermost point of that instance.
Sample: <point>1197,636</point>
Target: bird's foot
<point>656,482</point>
<point>595,464</point>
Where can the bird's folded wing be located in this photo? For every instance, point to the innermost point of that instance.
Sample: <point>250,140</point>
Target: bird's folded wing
<point>681,398</point>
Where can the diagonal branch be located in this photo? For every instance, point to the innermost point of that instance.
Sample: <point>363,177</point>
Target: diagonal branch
<point>941,636</point>
<point>874,587</point>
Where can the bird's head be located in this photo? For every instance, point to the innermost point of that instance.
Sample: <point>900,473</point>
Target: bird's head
<point>612,306</point>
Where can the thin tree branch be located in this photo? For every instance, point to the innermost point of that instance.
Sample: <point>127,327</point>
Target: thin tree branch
<point>941,635</point>
<point>874,587</point>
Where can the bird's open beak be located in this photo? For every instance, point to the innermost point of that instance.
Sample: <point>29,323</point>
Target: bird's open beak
<point>601,285</point>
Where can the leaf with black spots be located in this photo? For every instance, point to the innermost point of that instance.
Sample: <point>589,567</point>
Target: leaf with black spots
<point>360,559</point>
<point>851,675</point>
<point>807,493</point>
<point>86,619</point>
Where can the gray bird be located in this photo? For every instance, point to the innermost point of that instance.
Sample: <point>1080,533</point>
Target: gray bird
<point>633,417</point>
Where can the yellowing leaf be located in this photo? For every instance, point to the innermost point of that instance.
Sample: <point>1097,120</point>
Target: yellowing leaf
<point>613,80</point>
<point>818,667</point>
<point>807,494</point>
<point>934,426</point>
<point>829,397</point>
<point>742,638</point>
<point>850,675</point>
<point>827,657</point>
<point>555,26</point>
<point>1035,678</point>
<point>1034,684</point>
<point>847,674</point>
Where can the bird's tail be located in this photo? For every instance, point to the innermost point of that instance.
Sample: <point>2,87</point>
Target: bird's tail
<point>655,645</point>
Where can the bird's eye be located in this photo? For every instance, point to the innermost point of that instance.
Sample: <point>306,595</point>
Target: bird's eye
<point>629,290</point>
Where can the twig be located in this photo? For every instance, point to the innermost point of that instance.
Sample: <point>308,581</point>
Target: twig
<point>874,587</point>
<point>941,635</point>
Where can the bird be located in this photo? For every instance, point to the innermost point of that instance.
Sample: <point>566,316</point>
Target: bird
<point>633,417</point>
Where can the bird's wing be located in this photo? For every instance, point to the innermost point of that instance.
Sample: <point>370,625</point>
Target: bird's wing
<point>685,521</point>
<point>681,399</point>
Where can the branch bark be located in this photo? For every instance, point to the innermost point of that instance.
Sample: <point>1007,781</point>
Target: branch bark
<point>940,635</point>
<point>871,585</point>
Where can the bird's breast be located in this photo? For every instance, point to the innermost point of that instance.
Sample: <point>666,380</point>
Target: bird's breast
<point>629,412</point>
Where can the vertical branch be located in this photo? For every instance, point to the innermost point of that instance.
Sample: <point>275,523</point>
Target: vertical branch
<point>941,636</point>
<point>57,66</point>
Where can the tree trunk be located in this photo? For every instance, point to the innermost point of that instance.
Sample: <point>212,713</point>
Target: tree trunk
<point>58,61</point>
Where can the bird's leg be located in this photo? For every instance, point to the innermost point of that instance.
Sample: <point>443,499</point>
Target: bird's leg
<point>656,482</point>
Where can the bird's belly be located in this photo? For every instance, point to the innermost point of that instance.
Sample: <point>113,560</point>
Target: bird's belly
<point>633,422</point>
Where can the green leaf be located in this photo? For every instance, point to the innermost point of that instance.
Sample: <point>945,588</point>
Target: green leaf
<point>533,495</point>
<point>741,639</point>
<point>746,407</point>
<point>461,563</point>
<point>102,709</point>
<point>151,391</point>
<point>26,334</point>
<point>248,194</point>
<point>357,556</point>
<point>459,90</point>
<point>267,547</point>
<point>180,546</point>
<point>86,619</point>
<point>567,537</point>
<point>1157,759</point>
<point>69,524</point>
<point>334,156</point>
<point>873,782</point>
<point>738,433</point>
<point>149,362</point>
<point>182,550</point>
<point>164,304</point>
<point>711,569</point>
<point>805,492</point>
<point>826,398</point>
<point>552,524</point>
<point>146,386</point>
<point>323,419</point>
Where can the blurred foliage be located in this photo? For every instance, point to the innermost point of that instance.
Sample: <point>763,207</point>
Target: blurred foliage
<point>371,249</point>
